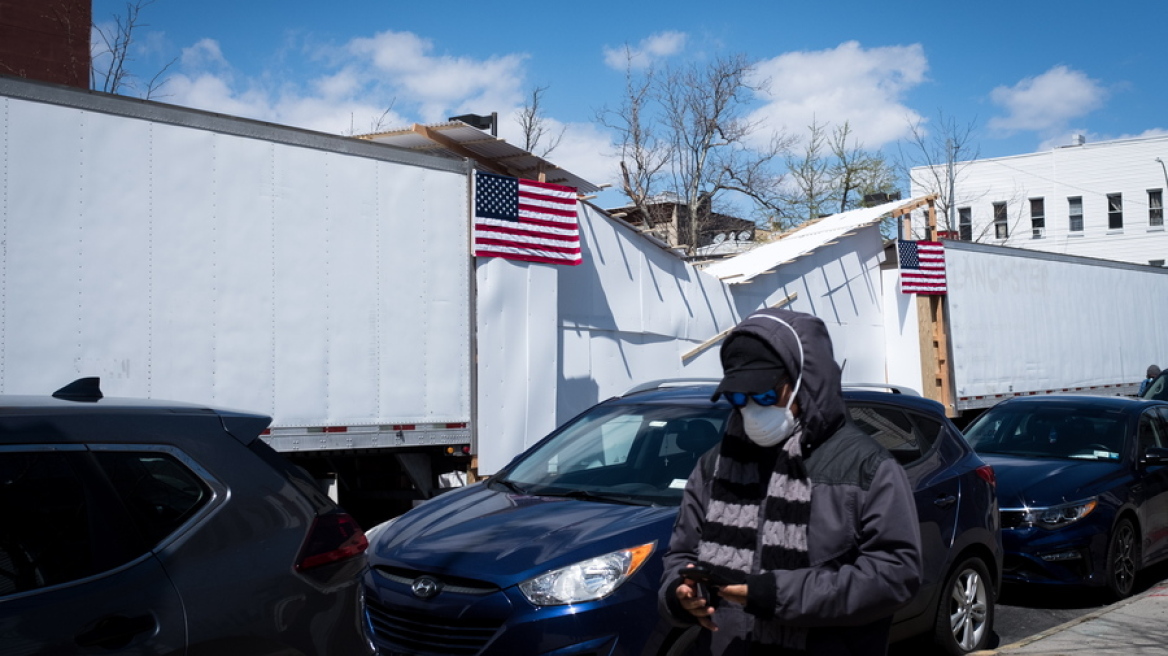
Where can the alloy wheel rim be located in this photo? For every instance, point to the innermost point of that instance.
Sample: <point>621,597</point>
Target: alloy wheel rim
<point>1123,564</point>
<point>969,609</point>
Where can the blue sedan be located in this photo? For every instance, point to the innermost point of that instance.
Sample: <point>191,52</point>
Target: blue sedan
<point>560,552</point>
<point>1082,486</point>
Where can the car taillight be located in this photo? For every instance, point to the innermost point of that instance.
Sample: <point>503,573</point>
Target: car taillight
<point>333,537</point>
<point>986,473</point>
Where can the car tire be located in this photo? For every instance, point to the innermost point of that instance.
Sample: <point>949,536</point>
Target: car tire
<point>681,646</point>
<point>965,612</point>
<point>1123,559</point>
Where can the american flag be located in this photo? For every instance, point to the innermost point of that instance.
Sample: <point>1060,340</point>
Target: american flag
<point>922,267</point>
<point>525,220</point>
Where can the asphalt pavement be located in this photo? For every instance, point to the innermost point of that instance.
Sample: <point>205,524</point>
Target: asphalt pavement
<point>1133,626</point>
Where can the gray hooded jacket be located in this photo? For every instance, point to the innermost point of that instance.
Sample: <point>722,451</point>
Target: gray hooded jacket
<point>863,536</point>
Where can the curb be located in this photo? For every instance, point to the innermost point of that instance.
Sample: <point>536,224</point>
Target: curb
<point>1156,590</point>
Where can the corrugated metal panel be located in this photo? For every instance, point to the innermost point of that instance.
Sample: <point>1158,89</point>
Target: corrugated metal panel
<point>743,268</point>
<point>491,152</point>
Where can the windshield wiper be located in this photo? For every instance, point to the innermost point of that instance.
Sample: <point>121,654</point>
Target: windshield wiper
<point>510,485</point>
<point>587,495</point>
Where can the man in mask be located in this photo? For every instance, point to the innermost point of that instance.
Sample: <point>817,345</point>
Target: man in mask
<point>807,524</point>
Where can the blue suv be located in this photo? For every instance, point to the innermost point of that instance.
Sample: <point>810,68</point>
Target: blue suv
<point>559,553</point>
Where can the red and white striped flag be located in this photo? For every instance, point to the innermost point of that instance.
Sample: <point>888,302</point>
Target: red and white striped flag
<point>525,220</point>
<point>922,267</point>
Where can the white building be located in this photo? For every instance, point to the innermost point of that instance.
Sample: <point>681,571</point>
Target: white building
<point>1102,200</point>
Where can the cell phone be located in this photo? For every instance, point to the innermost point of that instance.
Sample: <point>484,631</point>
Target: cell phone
<point>705,574</point>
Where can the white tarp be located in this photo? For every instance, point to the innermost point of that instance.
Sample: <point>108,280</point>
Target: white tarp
<point>744,268</point>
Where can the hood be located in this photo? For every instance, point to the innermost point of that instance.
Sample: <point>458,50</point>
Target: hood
<point>505,538</point>
<point>1038,482</point>
<point>820,397</point>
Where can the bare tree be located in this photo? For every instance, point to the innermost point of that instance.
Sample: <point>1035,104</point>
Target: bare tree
<point>833,173</point>
<point>685,132</point>
<point>537,134</point>
<point>809,175</point>
<point>710,138</point>
<point>376,125</point>
<point>112,55</point>
<point>935,160</point>
<point>858,172</point>
<point>643,155</point>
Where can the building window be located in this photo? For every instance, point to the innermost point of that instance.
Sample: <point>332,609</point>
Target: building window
<point>1075,209</point>
<point>1038,217</point>
<point>965,223</point>
<point>1001,228</point>
<point>1156,207</point>
<point>1115,211</point>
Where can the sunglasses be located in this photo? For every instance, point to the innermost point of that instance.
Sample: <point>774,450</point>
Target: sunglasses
<point>739,399</point>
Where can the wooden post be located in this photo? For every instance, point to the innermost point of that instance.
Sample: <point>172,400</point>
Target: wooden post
<point>933,330</point>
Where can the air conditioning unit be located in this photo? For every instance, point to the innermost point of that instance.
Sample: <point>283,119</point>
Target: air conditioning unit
<point>1038,233</point>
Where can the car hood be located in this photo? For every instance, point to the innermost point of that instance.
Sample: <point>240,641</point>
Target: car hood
<point>1036,482</point>
<point>505,538</point>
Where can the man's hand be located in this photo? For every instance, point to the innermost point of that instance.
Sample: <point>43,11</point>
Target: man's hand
<point>735,593</point>
<point>696,605</point>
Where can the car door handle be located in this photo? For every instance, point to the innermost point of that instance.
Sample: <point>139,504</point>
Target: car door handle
<point>945,501</point>
<point>114,632</point>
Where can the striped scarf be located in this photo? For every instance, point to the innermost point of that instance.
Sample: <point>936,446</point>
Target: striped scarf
<point>733,542</point>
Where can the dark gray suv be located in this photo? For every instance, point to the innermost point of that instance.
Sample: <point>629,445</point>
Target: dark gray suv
<point>149,527</point>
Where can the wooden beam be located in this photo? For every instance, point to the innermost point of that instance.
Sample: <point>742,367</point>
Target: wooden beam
<point>455,147</point>
<point>931,221</point>
<point>700,348</point>
<point>909,207</point>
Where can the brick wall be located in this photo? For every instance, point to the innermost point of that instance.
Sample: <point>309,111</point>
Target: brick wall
<point>46,40</point>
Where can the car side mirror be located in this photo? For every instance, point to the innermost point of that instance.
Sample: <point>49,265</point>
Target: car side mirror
<point>1155,455</point>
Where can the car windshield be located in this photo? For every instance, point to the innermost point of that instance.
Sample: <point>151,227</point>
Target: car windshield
<point>1049,431</point>
<point>637,454</point>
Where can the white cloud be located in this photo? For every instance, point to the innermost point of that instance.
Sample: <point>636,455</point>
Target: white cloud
<point>648,51</point>
<point>440,84</point>
<point>1048,102</point>
<point>864,87</point>
<point>350,88</point>
<point>206,53</point>
<point>215,93</point>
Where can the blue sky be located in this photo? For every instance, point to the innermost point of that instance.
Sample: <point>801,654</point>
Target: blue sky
<point>1026,74</point>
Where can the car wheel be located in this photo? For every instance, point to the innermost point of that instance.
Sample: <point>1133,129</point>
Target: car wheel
<point>1123,557</point>
<point>680,647</point>
<point>965,613</point>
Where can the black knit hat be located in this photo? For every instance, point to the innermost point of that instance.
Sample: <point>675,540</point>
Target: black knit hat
<point>750,366</point>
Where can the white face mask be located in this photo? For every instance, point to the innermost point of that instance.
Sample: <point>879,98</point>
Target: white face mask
<point>768,425</point>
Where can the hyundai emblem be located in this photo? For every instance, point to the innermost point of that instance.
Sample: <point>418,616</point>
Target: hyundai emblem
<point>425,587</point>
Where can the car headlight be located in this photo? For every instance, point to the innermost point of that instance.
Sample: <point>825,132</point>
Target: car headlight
<point>1058,516</point>
<point>586,580</point>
